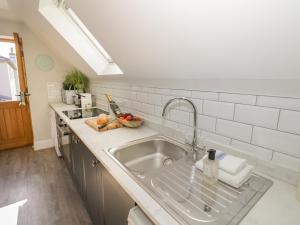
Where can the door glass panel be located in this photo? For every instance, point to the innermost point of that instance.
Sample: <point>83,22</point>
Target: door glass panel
<point>9,79</point>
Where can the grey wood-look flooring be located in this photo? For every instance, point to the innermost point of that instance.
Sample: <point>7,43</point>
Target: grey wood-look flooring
<point>42,182</point>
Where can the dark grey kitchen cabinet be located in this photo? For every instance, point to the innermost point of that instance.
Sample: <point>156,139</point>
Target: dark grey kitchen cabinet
<point>93,188</point>
<point>106,202</point>
<point>117,202</point>
<point>77,163</point>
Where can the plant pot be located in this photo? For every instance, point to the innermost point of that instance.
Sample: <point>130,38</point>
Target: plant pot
<point>67,96</point>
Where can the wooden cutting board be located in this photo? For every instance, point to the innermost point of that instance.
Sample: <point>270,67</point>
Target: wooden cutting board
<point>112,125</point>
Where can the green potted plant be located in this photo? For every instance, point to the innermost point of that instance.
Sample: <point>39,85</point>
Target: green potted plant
<point>75,82</point>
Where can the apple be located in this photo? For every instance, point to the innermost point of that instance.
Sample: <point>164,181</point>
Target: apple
<point>129,117</point>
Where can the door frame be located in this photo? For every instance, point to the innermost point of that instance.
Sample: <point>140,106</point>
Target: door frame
<point>17,40</point>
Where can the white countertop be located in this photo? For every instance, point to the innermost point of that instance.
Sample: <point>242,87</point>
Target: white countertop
<point>277,207</point>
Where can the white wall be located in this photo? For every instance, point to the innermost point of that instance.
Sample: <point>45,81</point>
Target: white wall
<point>37,79</point>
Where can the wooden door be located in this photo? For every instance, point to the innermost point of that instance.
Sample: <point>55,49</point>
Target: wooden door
<point>15,119</point>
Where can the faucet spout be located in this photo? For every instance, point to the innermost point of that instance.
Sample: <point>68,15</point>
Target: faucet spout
<point>195,134</point>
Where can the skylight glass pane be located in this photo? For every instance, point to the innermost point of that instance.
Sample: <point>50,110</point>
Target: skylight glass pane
<point>67,23</point>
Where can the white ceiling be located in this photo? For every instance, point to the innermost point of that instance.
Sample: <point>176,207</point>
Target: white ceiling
<point>6,13</point>
<point>185,38</point>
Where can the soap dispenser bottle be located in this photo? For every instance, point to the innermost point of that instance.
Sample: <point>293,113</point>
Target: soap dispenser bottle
<point>211,167</point>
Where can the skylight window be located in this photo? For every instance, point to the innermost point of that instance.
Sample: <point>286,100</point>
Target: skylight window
<point>71,28</point>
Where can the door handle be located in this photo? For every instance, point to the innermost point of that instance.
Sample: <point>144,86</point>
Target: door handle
<point>23,96</point>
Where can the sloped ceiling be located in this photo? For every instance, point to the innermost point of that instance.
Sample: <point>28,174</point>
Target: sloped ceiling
<point>185,38</point>
<point>198,38</point>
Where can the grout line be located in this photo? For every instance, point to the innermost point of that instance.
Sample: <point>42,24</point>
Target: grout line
<point>251,139</point>
<point>277,125</point>
<point>216,125</point>
<point>234,108</point>
<point>272,156</point>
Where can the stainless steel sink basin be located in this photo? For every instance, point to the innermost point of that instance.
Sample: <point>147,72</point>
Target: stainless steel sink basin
<point>167,172</point>
<point>148,155</point>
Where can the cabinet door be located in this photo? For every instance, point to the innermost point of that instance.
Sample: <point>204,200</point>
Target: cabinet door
<point>93,188</point>
<point>77,153</point>
<point>117,202</point>
<point>72,147</point>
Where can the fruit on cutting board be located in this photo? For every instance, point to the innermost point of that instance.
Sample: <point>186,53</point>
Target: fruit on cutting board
<point>129,117</point>
<point>129,120</point>
<point>102,119</point>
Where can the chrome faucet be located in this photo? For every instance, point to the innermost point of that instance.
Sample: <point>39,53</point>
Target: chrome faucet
<point>195,136</point>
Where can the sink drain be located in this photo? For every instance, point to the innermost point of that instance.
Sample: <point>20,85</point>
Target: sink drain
<point>167,161</point>
<point>206,208</point>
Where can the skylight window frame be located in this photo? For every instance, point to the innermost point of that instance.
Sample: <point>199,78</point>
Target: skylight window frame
<point>88,34</point>
<point>72,29</point>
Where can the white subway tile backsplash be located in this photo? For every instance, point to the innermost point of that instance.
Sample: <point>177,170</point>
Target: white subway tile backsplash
<point>142,97</point>
<point>158,111</point>
<point>180,116</point>
<point>205,122</point>
<point>205,95</point>
<point>163,91</point>
<point>103,106</point>
<point>215,137</point>
<point>289,121</point>
<point>278,102</point>
<point>132,95</point>
<point>260,116</point>
<point>174,104</point>
<point>154,99</point>
<point>199,105</point>
<point>149,89</point>
<point>234,130</point>
<point>136,88</point>
<point>185,130</point>
<point>185,106</point>
<point>136,105</point>
<point>239,120</point>
<point>277,140</point>
<point>259,152</point>
<point>287,161</point>
<point>181,93</point>
<point>170,124</point>
<point>218,109</point>
<point>147,108</point>
<point>237,98</point>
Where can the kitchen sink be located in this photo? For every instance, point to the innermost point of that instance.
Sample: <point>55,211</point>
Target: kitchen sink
<point>146,156</point>
<point>166,170</point>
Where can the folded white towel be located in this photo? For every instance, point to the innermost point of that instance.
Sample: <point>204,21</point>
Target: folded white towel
<point>228,163</point>
<point>238,179</point>
<point>233,180</point>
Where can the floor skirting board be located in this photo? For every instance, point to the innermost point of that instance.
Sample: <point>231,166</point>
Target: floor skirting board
<point>43,144</point>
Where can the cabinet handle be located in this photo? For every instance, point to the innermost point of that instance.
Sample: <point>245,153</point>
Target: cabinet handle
<point>95,162</point>
<point>76,139</point>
